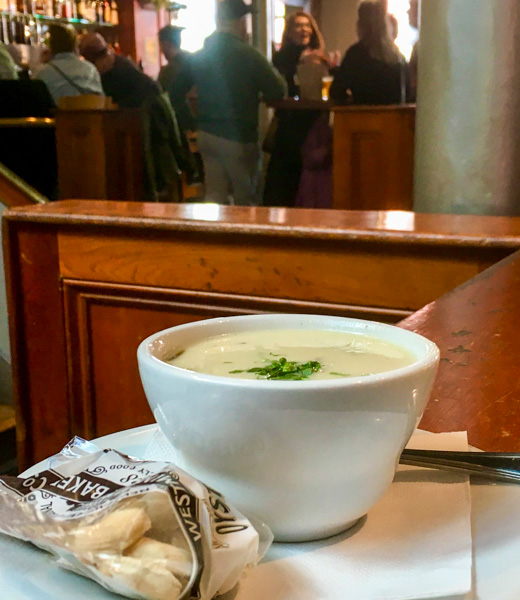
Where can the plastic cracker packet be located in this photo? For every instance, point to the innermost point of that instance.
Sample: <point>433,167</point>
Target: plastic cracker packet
<point>143,529</point>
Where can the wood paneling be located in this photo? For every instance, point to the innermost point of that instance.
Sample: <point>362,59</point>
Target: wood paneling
<point>37,341</point>
<point>373,158</point>
<point>104,325</point>
<point>100,154</point>
<point>87,281</point>
<point>138,26</point>
<point>315,271</point>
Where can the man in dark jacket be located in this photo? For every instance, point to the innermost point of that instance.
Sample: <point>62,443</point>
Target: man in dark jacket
<point>230,77</point>
<point>170,44</point>
<point>121,79</point>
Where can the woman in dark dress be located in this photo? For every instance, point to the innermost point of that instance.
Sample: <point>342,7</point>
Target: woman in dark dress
<point>301,38</point>
<point>373,71</point>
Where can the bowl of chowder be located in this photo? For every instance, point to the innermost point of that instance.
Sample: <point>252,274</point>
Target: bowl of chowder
<point>297,419</point>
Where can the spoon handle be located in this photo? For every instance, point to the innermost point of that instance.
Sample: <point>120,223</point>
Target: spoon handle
<point>500,466</point>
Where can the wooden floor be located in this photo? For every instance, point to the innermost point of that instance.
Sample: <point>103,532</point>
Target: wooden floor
<point>7,441</point>
<point>6,418</point>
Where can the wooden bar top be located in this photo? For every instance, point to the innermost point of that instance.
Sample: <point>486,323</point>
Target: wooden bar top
<point>372,108</point>
<point>398,227</point>
<point>88,280</point>
<point>308,104</point>
<point>478,384</point>
<point>301,104</point>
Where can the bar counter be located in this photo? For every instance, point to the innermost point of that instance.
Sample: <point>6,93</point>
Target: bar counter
<point>478,385</point>
<point>87,281</point>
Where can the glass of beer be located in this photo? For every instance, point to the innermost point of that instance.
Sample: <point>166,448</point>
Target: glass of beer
<point>325,87</point>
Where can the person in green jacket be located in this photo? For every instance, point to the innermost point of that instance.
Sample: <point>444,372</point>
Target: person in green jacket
<point>230,78</point>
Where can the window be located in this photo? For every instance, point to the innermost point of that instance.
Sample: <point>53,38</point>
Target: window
<point>407,35</point>
<point>279,21</point>
<point>199,21</point>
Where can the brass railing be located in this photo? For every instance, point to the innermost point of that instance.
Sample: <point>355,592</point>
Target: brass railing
<point>14,191</point>
<point>28,122</point>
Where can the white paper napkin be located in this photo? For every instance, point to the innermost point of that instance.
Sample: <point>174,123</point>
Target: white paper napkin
<point>415,543</point>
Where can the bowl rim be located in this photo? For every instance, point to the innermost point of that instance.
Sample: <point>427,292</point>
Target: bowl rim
<point>431,358</point>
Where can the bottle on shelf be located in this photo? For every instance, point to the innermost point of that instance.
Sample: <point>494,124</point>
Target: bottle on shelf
<point>107,17</point>
<point>90,10</point>
<point>114,15</point>
<point>10,6</point>
<point>100,5</point>
<point>81,9</point>
<point>19,29</point>
<point>66,9</point>
<point>4,29</point>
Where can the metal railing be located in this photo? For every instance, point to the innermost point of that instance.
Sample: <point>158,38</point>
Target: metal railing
<point>14,191</point>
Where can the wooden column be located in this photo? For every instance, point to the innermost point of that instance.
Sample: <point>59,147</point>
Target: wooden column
<point>139,24</point>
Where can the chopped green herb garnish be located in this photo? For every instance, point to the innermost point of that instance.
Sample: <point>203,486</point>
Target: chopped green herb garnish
<point>339,374</point>
<point>284,370</point>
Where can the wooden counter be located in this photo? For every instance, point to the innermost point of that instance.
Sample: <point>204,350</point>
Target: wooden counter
<point>478,385</point>
<point>373,153</point>
<point>87,281</point>
<point>301,104</point>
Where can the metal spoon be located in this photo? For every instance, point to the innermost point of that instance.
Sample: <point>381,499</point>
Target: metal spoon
<point>500,466</point>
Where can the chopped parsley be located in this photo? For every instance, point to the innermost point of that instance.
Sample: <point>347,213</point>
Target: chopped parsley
<point>282,369</point>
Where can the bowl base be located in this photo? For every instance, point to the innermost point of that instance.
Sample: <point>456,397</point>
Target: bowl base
<point>291,537</point>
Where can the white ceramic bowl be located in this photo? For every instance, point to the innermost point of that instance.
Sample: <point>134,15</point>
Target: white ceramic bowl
<point>308,457</point>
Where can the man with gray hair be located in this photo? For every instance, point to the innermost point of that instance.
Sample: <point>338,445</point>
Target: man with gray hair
<point>230,78</point>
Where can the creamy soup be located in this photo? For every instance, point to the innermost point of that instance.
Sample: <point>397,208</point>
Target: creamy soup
<point>291,354</point>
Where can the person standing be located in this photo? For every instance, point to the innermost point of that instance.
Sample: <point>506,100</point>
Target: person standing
<point>230,77</point>
<point>413,19</point>
<point>65,74</point>
<point>170,44</point>
<point>301,41</point>
<point>301,36</point>
<point>373,70</point>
